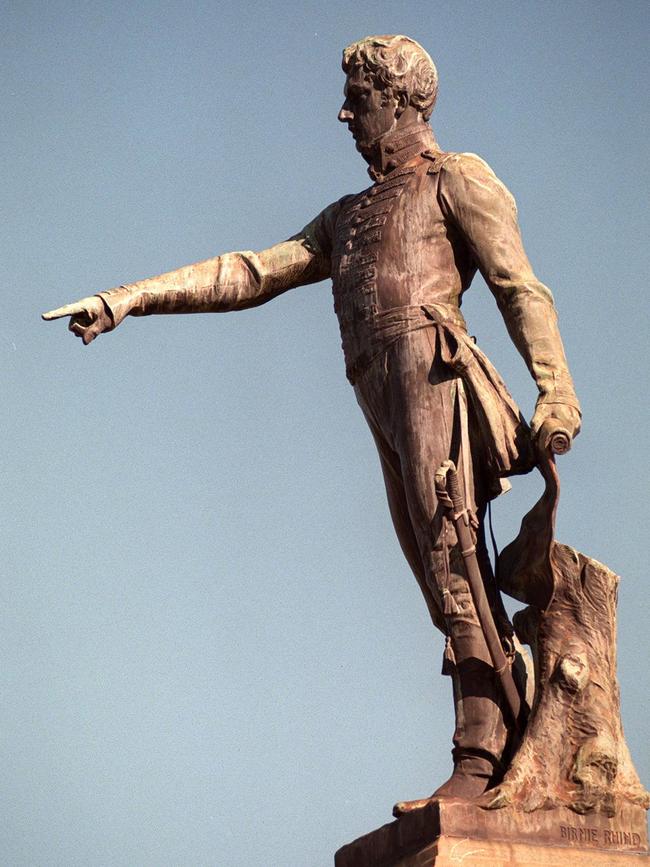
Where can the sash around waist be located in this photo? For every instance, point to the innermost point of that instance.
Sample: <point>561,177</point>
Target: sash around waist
<point>374,335</point>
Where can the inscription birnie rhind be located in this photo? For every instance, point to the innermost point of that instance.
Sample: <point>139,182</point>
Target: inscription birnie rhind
<point>531,735</point>
<point>600,836</point>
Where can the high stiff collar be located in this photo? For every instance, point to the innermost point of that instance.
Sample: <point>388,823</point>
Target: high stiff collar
<point>397,147</point>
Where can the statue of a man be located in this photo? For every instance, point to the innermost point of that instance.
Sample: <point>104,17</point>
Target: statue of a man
<point>400,255</point>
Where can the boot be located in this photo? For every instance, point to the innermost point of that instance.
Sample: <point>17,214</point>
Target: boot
<point>472,775</point>
<point>479,739</point>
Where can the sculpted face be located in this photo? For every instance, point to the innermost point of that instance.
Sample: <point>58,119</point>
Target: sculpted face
<point>369,111</point>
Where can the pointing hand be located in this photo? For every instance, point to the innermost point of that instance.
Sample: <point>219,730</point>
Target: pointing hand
<point>88,317</point>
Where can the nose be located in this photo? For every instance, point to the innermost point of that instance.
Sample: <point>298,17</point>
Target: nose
<point>345,115</point>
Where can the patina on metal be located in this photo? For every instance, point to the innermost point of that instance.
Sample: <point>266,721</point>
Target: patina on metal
<point>401,254</point>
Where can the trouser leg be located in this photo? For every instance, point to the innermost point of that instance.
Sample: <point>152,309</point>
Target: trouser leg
<point>482,737</point>
<point>411,408</point>
<point>480,733</point>
<point>398,507</point>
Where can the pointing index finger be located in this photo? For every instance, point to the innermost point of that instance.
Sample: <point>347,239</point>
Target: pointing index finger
<point>66,310</point>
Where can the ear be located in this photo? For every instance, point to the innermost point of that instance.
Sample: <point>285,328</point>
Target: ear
<point>402,101</point>
<point>388,96</point>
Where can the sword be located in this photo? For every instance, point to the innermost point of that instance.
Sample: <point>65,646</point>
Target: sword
<point>449,495</point>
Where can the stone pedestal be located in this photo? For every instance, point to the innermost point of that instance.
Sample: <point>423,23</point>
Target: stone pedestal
<point>447,833</point>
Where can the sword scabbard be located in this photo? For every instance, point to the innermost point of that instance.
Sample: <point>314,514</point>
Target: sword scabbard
<point>447,479</point>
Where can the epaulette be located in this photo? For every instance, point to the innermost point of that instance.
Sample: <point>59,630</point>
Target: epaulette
<point>437,158</point>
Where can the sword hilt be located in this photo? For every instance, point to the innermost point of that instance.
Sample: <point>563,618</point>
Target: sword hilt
<point>453,489</point>
<point>448,488</point>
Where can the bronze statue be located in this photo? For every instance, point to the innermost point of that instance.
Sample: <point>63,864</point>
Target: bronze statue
<point>401,254</point>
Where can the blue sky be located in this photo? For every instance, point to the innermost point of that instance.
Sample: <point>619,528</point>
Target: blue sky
<point>213,652</point>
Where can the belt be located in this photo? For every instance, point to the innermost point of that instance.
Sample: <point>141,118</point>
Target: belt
<point>388,326</point>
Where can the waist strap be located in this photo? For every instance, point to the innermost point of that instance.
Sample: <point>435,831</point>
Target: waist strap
<point>387,326</point>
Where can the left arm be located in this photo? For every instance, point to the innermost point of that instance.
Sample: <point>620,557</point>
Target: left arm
<point>485,212</point>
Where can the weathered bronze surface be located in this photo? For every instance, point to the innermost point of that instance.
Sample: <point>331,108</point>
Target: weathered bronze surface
<point>400,255</point>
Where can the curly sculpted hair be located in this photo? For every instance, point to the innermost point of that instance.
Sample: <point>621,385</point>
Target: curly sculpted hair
<point>398,63</point>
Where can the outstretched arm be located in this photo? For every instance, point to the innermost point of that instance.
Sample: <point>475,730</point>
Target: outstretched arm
<point>486,214</point>
<point>234,281</point>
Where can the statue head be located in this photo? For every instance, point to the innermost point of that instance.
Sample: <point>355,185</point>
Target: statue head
<point>390,80</point>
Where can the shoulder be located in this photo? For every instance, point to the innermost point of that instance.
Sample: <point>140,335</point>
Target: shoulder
<point>329,215</point>
<point>468,173</point>
<point>319,233</point>
<point>464,164</point>
<point>334,210</point>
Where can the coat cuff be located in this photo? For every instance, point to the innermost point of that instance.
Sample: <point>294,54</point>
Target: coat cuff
<point>118,303</point>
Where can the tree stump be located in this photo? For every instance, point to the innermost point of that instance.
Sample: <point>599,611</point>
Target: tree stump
<point>573,751</point>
